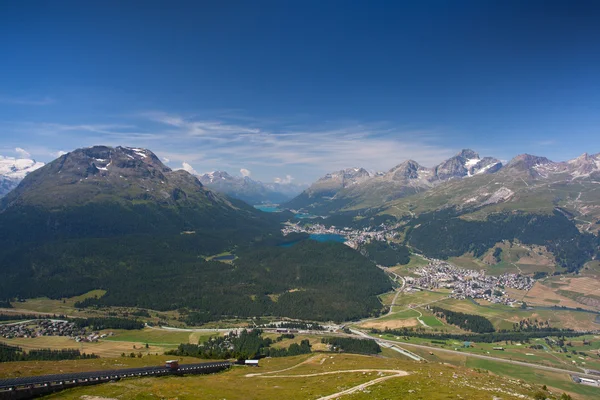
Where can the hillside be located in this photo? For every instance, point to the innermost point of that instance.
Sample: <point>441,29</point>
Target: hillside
<point>468,205</point>
<point>531,200</point>
<point>321,194</point>
<point>118,219</point>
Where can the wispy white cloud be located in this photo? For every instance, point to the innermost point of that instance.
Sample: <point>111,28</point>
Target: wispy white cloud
<point>245,172</point>
<point>187,167</point>
<point>268,148</point>
<point>288,179</point>
<point>372,145</point>
<point>214,129</point>
<point>58,153</point>
<point>549,142</point>
<point>26,101</point>
<point>22,152</point>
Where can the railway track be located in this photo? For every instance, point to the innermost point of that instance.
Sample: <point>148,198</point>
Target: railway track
<point>29,387</point>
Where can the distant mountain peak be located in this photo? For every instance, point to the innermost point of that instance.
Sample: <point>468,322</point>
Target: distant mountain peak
<point>468,154</point>
<point>123,174</point>
<point>215,176</point>
<point>527,161</point>
<point>13,170</point>
<point>249,190</point>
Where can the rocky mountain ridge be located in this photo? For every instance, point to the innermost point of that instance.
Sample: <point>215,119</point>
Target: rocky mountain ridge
<point>527,183</point>
<point>102,173</point>
<point>356,187</point>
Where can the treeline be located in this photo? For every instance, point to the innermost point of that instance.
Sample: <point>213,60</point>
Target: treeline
<point>298,325</point>
<point>442,234</point>
<point>21,317</point>
<point>5,303</point>
<point>468,322</point>
<point>386,254</point>
<point>99,323</point>
<point>351,345</point>
<point>356,219</point>
<point>246,345</point>
<point>12,353</point>
<point>494,337</point>
<point>294,349</point>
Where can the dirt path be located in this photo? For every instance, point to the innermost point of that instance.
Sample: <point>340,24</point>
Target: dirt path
<point>398,292</point>
<point>393,373</point>
<point>362,386</point>
<point>284,370</point>
<point>420,320</point>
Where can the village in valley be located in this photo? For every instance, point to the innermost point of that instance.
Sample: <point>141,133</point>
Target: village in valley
<point>49,327</point>
<point>466,283</point>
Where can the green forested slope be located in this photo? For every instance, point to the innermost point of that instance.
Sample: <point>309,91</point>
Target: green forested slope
<point>445,234</point>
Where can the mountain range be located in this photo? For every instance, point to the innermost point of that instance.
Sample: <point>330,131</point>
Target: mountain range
<point>468,205</point>
<point>249,190</point>
<point>13,170</point>
<point>465,181</point>
<point>359,188</point>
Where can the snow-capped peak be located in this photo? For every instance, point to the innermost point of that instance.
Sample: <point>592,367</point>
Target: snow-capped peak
<point>17,168</point>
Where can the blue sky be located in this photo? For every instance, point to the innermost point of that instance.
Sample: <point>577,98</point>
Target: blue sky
<point>301,88</point>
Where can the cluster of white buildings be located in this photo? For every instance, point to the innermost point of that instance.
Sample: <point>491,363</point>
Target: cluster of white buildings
<point>42,327</point>
<point>466,283</point>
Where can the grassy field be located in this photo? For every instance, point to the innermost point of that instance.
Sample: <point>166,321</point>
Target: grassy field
<point>387,298</point>
<point>103,348</point>
<point>160,336</point>
<point>45,305</point>
<point>307,377</point>
<point>559,381</point>
<point>503,317</point>
<point>415,262</point>
<point>556,382</point>
<point>587,355</point>
<point>123,341</point>
<point>432,321</point>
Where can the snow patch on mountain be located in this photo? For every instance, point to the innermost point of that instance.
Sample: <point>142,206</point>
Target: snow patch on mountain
<point>13,170</point>
<point>500,195</point>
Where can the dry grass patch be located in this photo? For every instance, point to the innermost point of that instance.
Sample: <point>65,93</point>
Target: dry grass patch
<point>391,323</point>
<point>543,295</point>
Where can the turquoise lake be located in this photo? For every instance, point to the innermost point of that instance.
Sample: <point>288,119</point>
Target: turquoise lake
<point>268,208</point>
<point>320,237</point>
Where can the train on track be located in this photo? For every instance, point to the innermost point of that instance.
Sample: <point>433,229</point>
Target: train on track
<point>30,387</point>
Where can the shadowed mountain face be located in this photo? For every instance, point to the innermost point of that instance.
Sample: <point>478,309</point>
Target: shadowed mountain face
<point>100,173</point>
<point>105,197</point>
